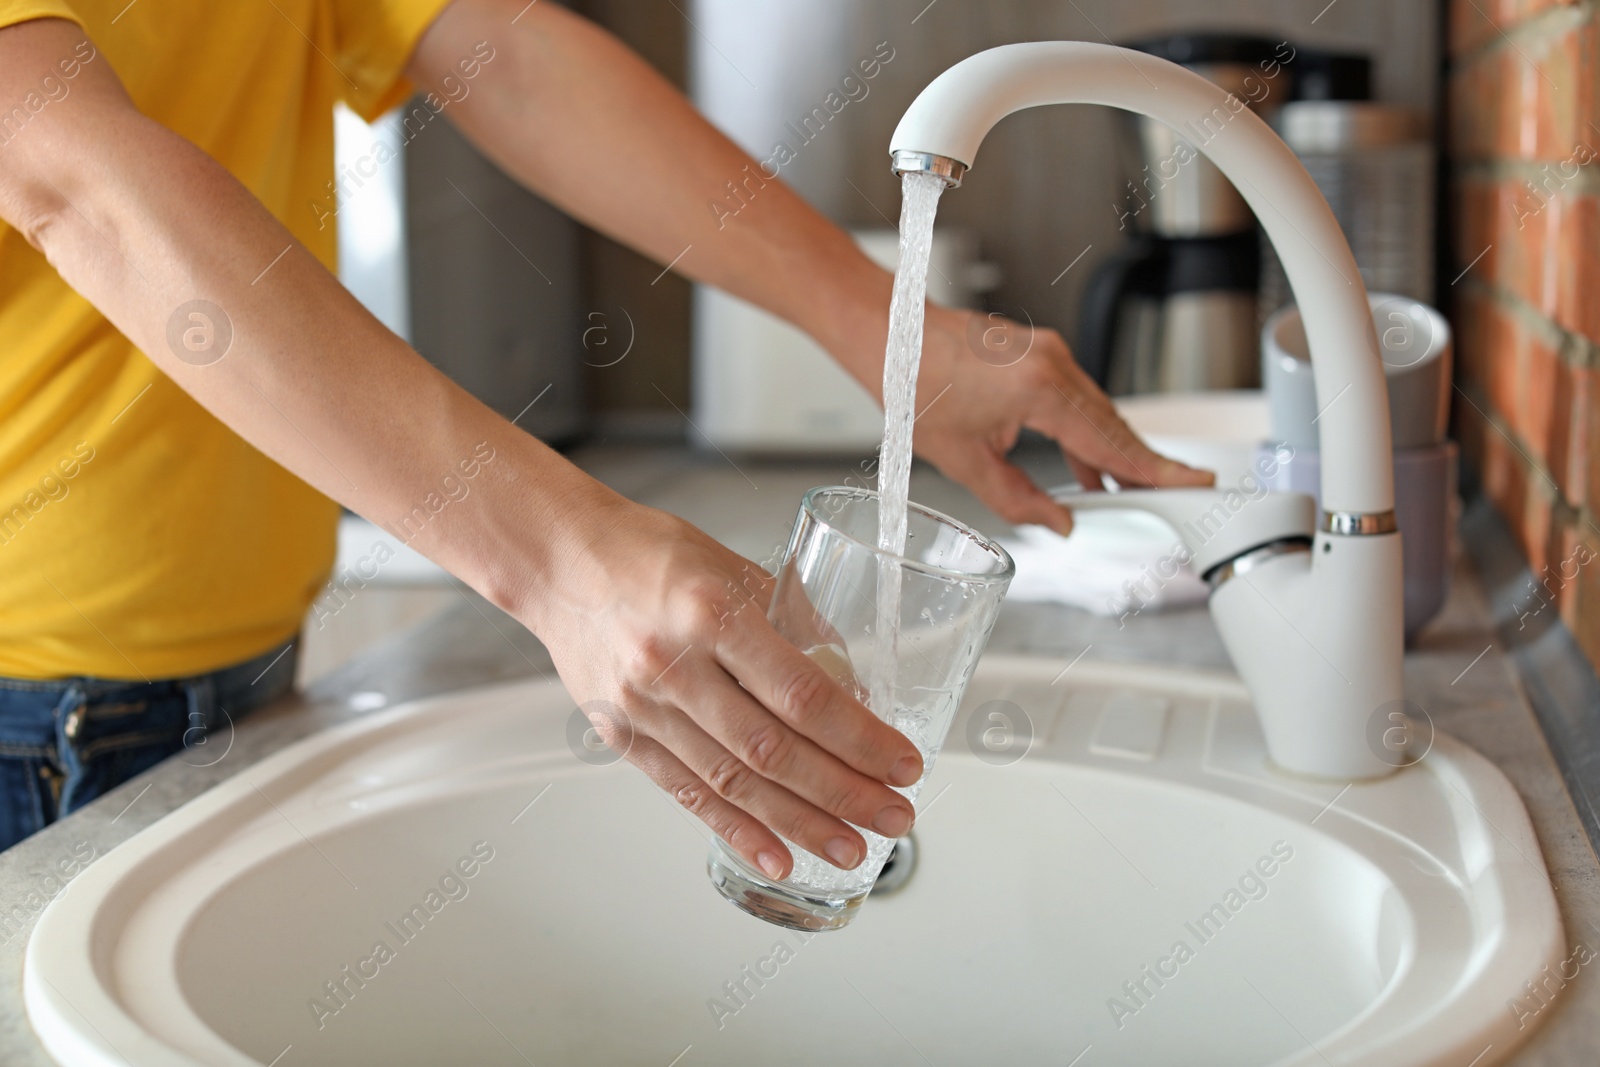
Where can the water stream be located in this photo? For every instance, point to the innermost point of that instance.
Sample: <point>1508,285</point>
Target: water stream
<point>901,358</point>
<point>925,716</point>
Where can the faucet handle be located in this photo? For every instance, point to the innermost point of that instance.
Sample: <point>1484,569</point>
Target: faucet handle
<point>1216,525</point>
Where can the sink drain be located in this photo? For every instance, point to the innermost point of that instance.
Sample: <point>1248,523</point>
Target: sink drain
<point>897,868</point>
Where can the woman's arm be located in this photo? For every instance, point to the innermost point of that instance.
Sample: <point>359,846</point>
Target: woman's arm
<point>640,611</point>
<point>579,118</point>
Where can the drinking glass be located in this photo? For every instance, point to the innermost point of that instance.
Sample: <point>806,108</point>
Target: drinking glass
<point>912,673</point>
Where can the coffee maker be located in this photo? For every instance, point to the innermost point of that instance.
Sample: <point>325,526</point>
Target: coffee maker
<point>1174,309</point>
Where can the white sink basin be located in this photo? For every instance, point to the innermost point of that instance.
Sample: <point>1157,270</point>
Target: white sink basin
<point>1385,923</point>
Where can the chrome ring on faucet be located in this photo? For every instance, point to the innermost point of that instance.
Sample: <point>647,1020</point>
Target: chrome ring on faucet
<point>1358,524</point>
<point>951,170</point>
<point>1249,561</point>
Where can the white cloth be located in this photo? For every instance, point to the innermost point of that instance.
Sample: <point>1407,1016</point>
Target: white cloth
<point>1114,562</point>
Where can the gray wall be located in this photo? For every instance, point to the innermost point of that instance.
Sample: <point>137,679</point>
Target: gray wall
<point>508,296</point>
<point>1044,187</point>
<point>495,285</point>
<point>1042,192</point>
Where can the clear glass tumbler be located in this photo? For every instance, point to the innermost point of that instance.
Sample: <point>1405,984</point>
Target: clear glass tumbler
<point>952,580</point>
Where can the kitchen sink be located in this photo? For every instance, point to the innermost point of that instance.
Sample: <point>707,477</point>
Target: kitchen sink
<point>1107,872</point>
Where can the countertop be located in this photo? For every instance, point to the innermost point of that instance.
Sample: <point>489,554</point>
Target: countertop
<point>1460,672</point>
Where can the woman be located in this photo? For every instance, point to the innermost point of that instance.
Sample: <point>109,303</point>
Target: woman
<point>187,392</point>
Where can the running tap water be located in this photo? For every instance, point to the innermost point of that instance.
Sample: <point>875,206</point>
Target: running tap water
<point>901,359</point>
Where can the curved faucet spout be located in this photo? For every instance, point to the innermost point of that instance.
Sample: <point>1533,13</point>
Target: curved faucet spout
<point>1315,634</point>
<point>952,115</point>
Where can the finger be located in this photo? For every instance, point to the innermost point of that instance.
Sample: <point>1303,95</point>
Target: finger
<point>743,832</point>
<point>1006,490</point>
<point>802,695</point>
<point>810,780</point>
<point>737,783</point>
<point>1093,432</point>
<point>1091,479</point>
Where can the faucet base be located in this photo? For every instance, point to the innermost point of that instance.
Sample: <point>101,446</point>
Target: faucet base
<point>1320,647</point>
<point>1248,561</point>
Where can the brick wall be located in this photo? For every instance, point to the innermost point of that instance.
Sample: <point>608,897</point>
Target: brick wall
<point>1524,141</point>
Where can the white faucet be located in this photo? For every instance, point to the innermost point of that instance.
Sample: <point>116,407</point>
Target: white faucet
<point>1311,616</point>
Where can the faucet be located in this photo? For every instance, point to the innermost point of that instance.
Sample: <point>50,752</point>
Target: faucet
<point>1311,613</point>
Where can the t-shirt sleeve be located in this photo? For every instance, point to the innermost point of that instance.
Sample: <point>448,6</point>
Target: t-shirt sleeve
<point>15,11</point>
<point>375,39</point>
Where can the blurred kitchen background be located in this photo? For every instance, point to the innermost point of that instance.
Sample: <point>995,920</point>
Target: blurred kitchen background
<point>1076,218</point>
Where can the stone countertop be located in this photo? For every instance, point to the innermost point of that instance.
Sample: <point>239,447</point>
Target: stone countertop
<point>1459,672</point>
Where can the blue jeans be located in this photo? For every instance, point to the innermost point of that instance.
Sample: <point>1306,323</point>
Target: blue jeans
<point>66,741</point>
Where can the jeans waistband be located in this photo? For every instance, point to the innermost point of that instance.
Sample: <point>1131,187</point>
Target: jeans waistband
<point>247,684</point>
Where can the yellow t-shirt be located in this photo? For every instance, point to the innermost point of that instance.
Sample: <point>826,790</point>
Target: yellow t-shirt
<point>139,536</point>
